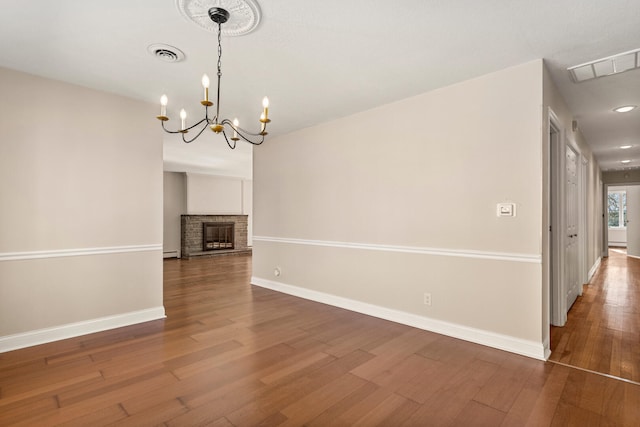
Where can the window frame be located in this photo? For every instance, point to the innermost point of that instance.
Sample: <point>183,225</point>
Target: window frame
<point>622,211</point>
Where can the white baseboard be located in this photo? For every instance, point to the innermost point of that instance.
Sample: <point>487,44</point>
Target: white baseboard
<point>547,347</point>
<point>527,348</point>
<point>70,330</point>
<point>593,269</point>
<point>171,254</point>
<point>617,244</point>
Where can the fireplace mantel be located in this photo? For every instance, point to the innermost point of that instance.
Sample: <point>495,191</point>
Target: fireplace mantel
<point>191,239</point>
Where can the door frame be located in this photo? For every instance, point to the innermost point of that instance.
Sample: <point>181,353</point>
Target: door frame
<point>556,199</point>
<point>605,220</point>
<point>582,224</point>
<point>558,141</point>
<point>570,144</point>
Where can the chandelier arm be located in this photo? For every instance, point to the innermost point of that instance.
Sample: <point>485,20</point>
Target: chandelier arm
<point>239,132</point>
<point>242,133</point>
<point>228,143</point>
<point>188,141</point>
<point>243,130</point>
<point>183,131</point>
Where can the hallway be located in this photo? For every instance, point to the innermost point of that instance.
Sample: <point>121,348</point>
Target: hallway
<point>602,333</point>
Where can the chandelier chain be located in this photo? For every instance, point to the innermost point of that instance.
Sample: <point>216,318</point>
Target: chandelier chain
<point>219,69</point>
<point>219,50</point>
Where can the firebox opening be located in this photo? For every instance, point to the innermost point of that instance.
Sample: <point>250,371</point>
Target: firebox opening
<point>217,236</point>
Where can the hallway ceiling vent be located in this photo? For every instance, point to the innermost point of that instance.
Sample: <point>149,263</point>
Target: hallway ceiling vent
<point>606,66</point>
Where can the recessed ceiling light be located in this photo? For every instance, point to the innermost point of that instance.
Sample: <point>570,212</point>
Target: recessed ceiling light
<point>624,147</point>
<point>625,161</point>
<point>625,109</point>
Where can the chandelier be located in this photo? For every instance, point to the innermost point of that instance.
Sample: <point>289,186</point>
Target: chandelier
<point>216,124</point>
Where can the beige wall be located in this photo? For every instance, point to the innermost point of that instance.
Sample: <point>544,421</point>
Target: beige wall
<point>220,195</point>
<point>621,177</point>
<point>247,208</point>
<point>208,194</point>
<point>175,204</point>
<point>401,200</point>
<point>81,197</point>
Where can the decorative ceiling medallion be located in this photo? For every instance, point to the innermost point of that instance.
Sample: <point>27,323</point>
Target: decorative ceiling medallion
<point>245,15</point>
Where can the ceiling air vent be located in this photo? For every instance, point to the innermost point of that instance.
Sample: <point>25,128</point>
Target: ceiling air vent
<point>166,53</point>
<point>606,66</point>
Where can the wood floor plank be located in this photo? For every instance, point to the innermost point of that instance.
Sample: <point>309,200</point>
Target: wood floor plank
<point>293,366</point>
<point>521,409</point>
<point>430,381</point>
<point>315,403</point>
<point>441,409</point>
<point>502,389</point>
<point>477,414</point>
<point>630,404</point>
<point>546,403</point>
<point>569,415</point>
<point>397,375</point>
<point>109,415</point>
<point>155,415</point>
<point>332,415</point>
<point>230,354</point>
<point>291,389</point>
<point>392,352</point>
<point>41,387</point>
<point>209,407</point>
<point>20,410</point>
<point>393,410</point>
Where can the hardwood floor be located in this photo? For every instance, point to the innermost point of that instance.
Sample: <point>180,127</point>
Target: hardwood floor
<point>230,354</point>
<point>603,327</point>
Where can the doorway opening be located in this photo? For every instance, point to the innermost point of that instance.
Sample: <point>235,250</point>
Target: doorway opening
<point>622,220</point>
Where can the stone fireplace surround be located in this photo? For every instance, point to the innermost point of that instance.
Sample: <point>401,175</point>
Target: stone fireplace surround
<point>191,235</point>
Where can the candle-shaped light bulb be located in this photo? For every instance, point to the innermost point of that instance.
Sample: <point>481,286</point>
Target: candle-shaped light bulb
<point>265,105</point>
<point>205,85</point>
<point>183,117</point>
<point>236,123</point>
<point>163,105</point>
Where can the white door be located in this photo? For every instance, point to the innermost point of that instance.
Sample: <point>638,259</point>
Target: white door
<point>633,220</point>
<point>572,249</point>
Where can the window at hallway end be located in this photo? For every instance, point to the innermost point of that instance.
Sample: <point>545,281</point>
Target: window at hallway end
<point>617,205</point>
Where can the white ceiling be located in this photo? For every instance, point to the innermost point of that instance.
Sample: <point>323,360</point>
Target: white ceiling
<point>319,60</point>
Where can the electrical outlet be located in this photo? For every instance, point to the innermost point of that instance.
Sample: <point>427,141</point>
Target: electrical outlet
<point>427,298</point>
